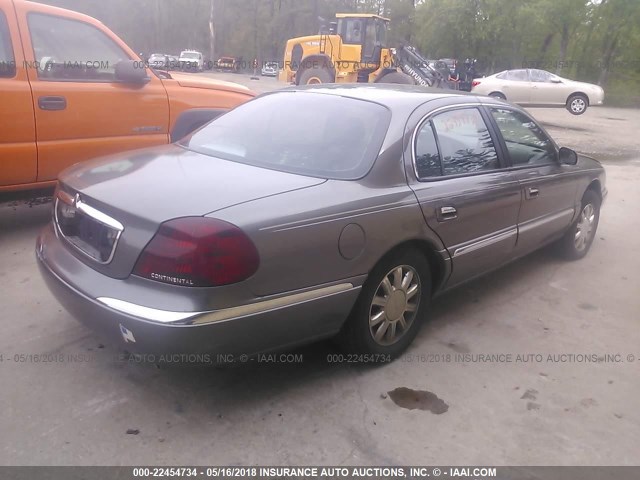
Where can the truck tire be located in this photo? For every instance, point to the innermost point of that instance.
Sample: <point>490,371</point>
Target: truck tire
<point>314,76</point>
<point>397,78</point>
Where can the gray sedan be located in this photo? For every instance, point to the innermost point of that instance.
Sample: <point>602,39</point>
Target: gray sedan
<point>309,213</point>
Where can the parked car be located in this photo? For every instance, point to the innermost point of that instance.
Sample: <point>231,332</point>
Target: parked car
<point>539,88</point>
<point>174,62</point>
<point>304,214</point>
<point>191,60</point>
<point>70,101</point>
<point>229,64</point>
<point>270,69</point>
<point>159,61</point>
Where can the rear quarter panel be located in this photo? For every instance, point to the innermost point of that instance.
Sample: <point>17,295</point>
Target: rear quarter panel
<point>298,234</point>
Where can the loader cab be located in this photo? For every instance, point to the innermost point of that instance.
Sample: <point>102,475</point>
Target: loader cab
<point>367,31</point>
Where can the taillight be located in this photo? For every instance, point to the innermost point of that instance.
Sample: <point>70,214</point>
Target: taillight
<point>475,83</point>
<point>198,252</point>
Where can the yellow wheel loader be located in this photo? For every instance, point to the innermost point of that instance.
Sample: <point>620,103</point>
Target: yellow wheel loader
<point>354,49</point>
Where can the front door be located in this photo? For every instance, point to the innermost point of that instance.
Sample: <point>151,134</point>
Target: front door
<point>81,109</point>
<point>18,158</point>
<point>547,89</point>
<point>548,188</point>
<point>467,197</point>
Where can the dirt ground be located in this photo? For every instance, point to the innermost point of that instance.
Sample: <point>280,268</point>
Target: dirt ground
<point>536,364</point>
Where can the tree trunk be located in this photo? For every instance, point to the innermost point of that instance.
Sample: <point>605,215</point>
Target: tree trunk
<point>606,60</point>
<point>564,44</point>
<point>212,33</point>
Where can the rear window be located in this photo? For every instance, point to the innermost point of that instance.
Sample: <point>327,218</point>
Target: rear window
<point>312,134</point>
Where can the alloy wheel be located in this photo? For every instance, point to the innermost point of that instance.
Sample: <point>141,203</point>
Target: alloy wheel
<point>578,105</point>
<point>394,305</point>
<point>584,230</point>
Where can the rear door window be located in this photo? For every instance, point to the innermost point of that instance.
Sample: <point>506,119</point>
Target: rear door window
<point>465,143</point>
<point>518,75</point>
<point>7,60</point>
<point>428,163</point>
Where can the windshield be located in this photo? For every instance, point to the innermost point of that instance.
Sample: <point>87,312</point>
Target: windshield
<point>312,134</point>
<point>190,55</point>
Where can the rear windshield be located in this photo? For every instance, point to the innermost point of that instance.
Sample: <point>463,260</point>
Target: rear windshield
<point>312,134</point>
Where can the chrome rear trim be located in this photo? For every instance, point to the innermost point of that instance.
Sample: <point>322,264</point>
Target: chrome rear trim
<point>88,210</point>
<point>206,317</point>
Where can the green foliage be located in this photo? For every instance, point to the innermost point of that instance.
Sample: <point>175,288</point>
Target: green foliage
<point>591,40</point>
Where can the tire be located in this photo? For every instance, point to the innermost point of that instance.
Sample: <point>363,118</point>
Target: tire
<point>499,95</point>
<point>577,104</point>
<point>357,335</point>
<point>578,240</point>
<point>314,76</point>
<point>397,78</point>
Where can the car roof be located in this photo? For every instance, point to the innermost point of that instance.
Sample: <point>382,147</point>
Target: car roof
<point>391,95</point>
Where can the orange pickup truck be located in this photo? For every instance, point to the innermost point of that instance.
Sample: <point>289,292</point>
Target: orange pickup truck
<point>71,90</point>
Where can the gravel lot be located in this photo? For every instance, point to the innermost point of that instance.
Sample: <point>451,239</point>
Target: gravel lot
<point>96,407</point>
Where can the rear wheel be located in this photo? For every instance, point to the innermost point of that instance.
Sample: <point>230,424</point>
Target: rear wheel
<point>314,76</point>
<point>391,306</point>
<point>397,78</point>
<point>578,239</point>
<point>497,95</point>
<point>577,104</point>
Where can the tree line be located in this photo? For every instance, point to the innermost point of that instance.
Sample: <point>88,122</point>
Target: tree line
<point>590,40</point>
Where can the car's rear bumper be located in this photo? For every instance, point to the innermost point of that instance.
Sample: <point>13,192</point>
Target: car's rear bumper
<point>245,330</point>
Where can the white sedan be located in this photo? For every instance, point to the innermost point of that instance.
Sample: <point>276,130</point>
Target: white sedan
<point>538,88</point>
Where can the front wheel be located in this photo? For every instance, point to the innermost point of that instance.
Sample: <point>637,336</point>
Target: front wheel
<point>577,104</point>
<point>578,239</point>
<point>314,76</point>
<point>391,306</point>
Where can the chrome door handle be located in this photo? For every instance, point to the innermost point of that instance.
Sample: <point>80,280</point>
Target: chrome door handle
<point>533,192</point>
<point>447,213</point>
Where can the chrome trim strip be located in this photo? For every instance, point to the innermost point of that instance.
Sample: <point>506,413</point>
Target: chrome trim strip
<point>539,221</point>
<point>152,314</point>
<point>99,216</point>
<point>203,318</point>
<point>91,212</point>
<point>485,242</point>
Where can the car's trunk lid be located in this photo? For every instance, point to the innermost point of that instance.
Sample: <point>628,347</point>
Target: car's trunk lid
<point>147,187</point>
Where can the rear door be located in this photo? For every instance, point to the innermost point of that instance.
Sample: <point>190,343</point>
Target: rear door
<point>517,87</point>
<point>468,197</point>
<point>549,188</point>
<point>81,109</point>
<point>18,157</point>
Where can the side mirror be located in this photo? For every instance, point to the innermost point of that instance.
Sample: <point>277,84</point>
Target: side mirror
<point>556,80</point>
<point>568,156</point>
<point>131,71</point>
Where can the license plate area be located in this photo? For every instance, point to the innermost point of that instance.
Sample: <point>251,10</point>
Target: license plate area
<point>88,230</point>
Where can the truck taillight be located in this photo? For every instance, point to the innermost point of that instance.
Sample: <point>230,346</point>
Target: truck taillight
<point>475,83</point>
<point>198,252</point>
